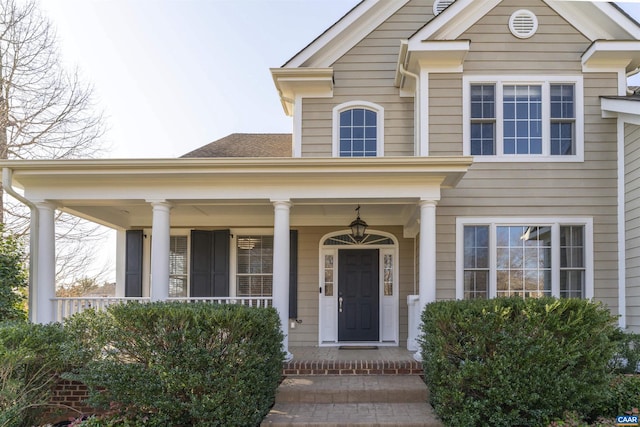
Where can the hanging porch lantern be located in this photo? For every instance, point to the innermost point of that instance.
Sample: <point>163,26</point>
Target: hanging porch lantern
<point>358,227</point>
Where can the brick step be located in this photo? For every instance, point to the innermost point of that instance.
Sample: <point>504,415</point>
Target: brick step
<point>352,414</point>
<point>351,367</point>
<point>352,389</point>
<point>354,400</point>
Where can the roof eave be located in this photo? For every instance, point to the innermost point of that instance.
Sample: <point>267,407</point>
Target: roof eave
<point>292,83</point>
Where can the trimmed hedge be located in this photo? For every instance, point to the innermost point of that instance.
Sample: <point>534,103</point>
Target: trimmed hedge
<point>514,361</point>
<point>164,364</point>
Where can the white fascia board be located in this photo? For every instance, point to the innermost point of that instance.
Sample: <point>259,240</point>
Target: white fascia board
<point>628,108</point>
<point>438,56</point>
<point>346,33</point>
<point>633,119</point>
<point>297,83</point>
<point>110,183</point>
<point>608,54</point>
<point>619,18</point>
<point>102,171</point>
<point>596,20</point>
<point>454,20</point>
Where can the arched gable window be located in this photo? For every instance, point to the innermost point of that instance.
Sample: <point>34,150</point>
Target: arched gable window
<point>358,129</point>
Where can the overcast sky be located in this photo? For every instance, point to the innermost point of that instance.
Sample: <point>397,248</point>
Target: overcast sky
<point>173,75</point>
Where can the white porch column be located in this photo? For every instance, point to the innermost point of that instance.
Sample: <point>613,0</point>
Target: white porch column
<point>45,286</point>
<point>121,261</point>
<point>160,241</point>
<point>281,242</point>
<point>426,260</point>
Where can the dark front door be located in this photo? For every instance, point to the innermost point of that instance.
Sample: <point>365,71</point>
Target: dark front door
<point>358,295</point>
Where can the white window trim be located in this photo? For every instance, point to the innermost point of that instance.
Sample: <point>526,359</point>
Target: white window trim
<point>545,81</point>
<point>185,233</point>
<point>146,258</point>
<point>233,253</point>
<point>554,223</point>
<point>358,104</point>
<point>332,323</point>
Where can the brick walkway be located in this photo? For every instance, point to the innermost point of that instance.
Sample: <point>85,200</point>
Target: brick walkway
<point>313,394</point>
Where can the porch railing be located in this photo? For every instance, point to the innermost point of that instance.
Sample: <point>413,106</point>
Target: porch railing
<point>248,301</point>
<point>413,308</point>
<point>65,307</point>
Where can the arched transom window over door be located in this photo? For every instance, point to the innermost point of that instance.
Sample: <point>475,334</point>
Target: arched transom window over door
<point>358,130</point>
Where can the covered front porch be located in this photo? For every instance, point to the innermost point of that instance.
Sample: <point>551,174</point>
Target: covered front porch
<point>248,198</point>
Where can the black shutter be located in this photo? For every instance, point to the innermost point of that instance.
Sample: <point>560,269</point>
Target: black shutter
<point>210,263</point>
<point>220,274</point>
<point>133,263</point>
<point>293,274</point>
<point>201,263</point>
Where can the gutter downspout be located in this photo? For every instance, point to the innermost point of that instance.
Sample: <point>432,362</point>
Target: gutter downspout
<point>622,242</point>
<point>7,184</point>
<point>417,116</point>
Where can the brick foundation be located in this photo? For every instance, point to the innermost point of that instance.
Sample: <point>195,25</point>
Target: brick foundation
<point>68,398</point>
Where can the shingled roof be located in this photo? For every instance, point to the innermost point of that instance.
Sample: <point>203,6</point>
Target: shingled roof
<point>247,145</point>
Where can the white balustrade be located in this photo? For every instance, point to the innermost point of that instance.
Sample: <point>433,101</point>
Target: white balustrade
<point>413,305</point>
<point>65,307</point>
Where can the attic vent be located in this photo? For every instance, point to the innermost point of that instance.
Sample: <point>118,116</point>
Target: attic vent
<point>523,24</point>
<point>440,5</point>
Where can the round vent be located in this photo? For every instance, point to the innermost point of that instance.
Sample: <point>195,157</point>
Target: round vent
<point>440,5</point>
<point>523,24</point>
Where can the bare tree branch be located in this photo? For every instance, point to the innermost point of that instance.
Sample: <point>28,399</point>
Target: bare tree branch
<point>46,112</point>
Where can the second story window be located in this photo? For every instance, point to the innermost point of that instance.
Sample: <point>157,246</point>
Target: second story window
<point>522,120</point>
<point>358,133</point>
<point>357,130</point>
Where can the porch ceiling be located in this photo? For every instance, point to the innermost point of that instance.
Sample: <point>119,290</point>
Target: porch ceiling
<point>238,192</point>
<point>189,214</point>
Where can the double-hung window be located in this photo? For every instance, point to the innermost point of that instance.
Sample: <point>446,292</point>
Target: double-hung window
<point>358,129</point>
<point>178,261</point>
<point>518,119</point>
<point>524,257</point>
<point>254,268</point>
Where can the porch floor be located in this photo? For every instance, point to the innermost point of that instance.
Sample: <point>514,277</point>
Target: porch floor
<point>336,361</point>
<point>334,353</point>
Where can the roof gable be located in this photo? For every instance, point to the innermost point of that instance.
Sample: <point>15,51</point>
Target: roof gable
<point>595,20</point>
<point>344,34</point>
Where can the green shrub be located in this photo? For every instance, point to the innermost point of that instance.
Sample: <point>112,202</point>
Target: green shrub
<point>30,359</point>
<point>627,357</point>
<point>180,364</point>
<point>13,278</point>
<point>511,361</point>
<point>620,397</point>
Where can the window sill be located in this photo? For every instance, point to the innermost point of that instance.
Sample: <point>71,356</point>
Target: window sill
<point>528,159</point>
